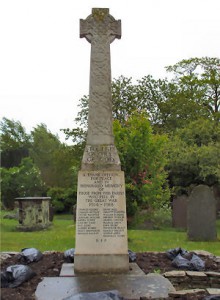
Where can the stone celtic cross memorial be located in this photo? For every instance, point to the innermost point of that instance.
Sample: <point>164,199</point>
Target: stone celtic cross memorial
<point>101,224</point>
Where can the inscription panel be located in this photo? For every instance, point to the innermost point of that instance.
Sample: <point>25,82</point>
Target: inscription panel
<point>100,157</point>
<point>101,224</point>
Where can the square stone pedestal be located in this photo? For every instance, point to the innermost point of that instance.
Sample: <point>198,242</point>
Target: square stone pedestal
<point>101,223</point>
<point>34,213</point>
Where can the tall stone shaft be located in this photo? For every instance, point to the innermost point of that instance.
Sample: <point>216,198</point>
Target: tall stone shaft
<point>101,222</point>
<point>100,29</point>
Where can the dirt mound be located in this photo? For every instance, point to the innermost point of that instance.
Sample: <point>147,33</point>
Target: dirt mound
<point>50,266</point>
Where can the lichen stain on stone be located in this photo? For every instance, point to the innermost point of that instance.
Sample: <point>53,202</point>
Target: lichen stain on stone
<point>99,13</point>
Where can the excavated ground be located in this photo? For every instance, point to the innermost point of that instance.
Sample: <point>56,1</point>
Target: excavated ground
<point>50,266</point>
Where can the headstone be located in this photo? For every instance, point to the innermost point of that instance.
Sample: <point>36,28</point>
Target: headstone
<point>216,192</point>
<point>34,213</point>
<point>179,212</point>
<point>201,214</point>
<point>101,226</point>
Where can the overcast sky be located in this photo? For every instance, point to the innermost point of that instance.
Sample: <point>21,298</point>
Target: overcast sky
<point>44,65</point>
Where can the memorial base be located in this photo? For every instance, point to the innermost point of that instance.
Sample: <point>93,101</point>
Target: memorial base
<point>106,263</point>
<point>32,228</point>
<point>101,244</point>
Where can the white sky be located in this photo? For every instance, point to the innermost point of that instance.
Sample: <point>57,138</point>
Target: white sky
<point>44,65</point>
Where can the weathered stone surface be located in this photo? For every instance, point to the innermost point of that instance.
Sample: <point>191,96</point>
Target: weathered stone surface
<point>216,192</point>
<point>212,291</point>
<point>201,214</point>
<point>101,229</point>
<point>203,253</point>
<point>213,274</point>
<point>100,29</point>
<point>100,157</point>
<point>175,274</point>
<point>34,213</point>
<point>186,292</point>
<point>101,222</point>
<point>195,274</point>
<point>194,279</point>
<point>67,270</point>
<point>4,256</point>
<point>217,259</point>
<point>179,212</point>
<point>153,286</point>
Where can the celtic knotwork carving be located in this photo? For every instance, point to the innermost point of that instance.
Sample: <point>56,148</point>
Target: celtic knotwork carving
<point>100,29</point>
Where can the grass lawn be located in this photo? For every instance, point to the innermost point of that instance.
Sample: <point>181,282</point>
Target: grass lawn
<point>61,236</point>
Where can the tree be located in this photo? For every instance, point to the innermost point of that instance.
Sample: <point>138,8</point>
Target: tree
<point>127,98</point>
<point>194,154</point>
<point>143,160</point>
<point>22,181</point>
<point>63,199</point>
<point>124,98</point>
<point>194,92</point>
<point>153,94</point>
<point>14,142</point>
<point>54,159</point>
<point>199,80</point>
<point>191,97</point>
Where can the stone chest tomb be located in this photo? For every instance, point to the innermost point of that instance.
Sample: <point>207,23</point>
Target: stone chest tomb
<point>34,213</point>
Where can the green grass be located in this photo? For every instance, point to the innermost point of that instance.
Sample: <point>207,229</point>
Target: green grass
<point>162,240</point>
<point>61,236</point>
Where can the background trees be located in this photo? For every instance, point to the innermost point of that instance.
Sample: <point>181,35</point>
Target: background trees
<point>194,155</point>
<point>199,79</point>
<point>184,108</point>
<point>35,163</point>
<point>14,142</point>
<point>21,181</point>
<point>167,133</point>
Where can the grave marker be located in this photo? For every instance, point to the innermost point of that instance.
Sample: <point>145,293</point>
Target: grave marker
<point>179,212</point>
<point>34,213</point>
<point>201,214</point>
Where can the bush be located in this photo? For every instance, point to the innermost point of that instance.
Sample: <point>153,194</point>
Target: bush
<point>22,181</point>
<point>153,218</point>
<point>143,159</point>
<point>62,199</point>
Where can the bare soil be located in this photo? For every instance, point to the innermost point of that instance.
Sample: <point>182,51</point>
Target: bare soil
<point>50,266</point>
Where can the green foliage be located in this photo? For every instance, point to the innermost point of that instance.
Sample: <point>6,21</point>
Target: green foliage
<point>178,111</point>
<point>153,94</point>
<point>124,98</point>
<point>152,218</point>
<point>63,199</point>
<point>194,154</point>
<point>9,189</point>
<point>14,143</point>
<point>21,181</point>
<point>199,79</point>
<point>185,107</point>
<point>142,158</point>
<point>13,135</point>
<point>55,160</point>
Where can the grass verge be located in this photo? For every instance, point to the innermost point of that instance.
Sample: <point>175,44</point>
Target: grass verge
<point>61,236</point>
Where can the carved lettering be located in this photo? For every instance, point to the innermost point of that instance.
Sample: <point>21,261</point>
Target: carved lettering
<point>100,211</point>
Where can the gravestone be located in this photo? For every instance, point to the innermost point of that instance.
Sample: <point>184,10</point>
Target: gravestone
<point>101,225</point>
<point>216,192</point>
<point>179,212</point>
<point>201,214</point>
<point>34,213</point>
